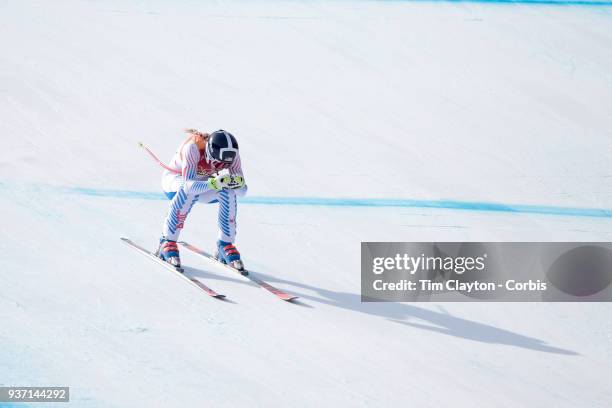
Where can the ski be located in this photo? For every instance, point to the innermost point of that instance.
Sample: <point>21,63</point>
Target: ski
<point>193,281</point>
<point>279,293</point>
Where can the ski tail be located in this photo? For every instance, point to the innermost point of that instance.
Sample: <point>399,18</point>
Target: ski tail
<point>279,293</point>
<point>165,264</point>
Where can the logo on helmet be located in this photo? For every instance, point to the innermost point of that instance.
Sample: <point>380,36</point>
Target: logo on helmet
<point>222,146</point>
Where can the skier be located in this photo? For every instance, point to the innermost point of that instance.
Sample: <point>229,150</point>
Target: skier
<point>206,167</point>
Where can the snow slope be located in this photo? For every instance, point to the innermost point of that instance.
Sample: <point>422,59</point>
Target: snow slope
<point>345,99</point>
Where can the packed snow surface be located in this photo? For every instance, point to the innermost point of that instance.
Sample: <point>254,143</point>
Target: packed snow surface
<point>475,102</point>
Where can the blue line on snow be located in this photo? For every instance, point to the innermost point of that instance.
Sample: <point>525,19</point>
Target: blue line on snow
<point>369,202</point>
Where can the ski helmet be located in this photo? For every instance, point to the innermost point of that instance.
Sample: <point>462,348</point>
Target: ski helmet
<point>221,146</point>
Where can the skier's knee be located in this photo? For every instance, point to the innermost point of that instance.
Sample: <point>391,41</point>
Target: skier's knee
<point>241,192</point>
<point>191,191</point>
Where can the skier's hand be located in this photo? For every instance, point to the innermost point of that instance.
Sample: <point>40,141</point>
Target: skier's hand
<point>237,181</point>
<point>218,182</point>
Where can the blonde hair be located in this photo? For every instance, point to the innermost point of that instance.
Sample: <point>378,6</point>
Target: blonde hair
<point>195,132</point>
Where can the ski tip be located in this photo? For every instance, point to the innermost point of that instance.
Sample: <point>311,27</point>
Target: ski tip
<point>289,298</point>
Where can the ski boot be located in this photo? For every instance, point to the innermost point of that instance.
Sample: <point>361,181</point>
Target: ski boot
<point>229,255</point>
<point>168,251</point>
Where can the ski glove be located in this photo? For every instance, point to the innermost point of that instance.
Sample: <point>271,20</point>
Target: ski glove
<point>237,181</point>
<point>218,182</point>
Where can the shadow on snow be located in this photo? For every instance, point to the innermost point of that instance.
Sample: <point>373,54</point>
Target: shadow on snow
<point>433,321</point>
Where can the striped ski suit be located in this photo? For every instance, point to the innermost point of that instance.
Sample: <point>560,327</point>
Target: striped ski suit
<point>185,184</point>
